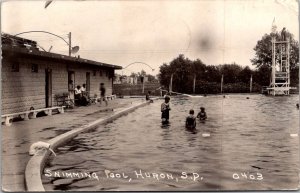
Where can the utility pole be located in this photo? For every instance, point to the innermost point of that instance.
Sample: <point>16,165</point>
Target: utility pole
<point>171,82</point>
<point>251,83</point>
<point>143,84</point>
<point>222,84</point>
<point>194,86</point>
<point>69,43</point>
<point>70,46</point>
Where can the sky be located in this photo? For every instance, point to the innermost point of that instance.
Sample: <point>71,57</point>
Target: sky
<point>150,33</point>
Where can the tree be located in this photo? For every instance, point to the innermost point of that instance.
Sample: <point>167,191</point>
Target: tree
<point>198,68</point>
<point>263,52</point>
<point>262,75</point>
<point>245,75</point>
<point>133,74</point>
<point>164,75</point>
<point>151,78</point>
<point>180,69</point>
<point>212,74</point>
<point>142,73</point>
<point>230,72</point>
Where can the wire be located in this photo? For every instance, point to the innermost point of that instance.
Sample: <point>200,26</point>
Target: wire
<point>125,51</point>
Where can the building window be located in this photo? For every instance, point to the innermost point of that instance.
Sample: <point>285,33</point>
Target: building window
<point>94,72</point>
<point>34,68</point>
<point>15,67</point>
<point>100,72</point>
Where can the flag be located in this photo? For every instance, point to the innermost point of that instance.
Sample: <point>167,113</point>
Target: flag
<point>274,27</point>
<point>47,4</point>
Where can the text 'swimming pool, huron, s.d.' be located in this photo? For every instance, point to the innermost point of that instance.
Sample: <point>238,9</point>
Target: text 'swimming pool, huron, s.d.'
<point>142,175</point>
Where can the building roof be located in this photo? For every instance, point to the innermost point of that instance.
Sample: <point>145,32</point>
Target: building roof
<point>21,46</point>
<point>17,41</point>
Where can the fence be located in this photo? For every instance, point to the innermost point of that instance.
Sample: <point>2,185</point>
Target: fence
<point>136,89</point>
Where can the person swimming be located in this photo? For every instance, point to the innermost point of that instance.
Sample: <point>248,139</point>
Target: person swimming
<point>202,114</point>
<point>190,122</point>
<point>165,108</point>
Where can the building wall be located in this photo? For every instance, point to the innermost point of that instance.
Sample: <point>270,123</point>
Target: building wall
<point>24,89</point>
<point>20,90</point>
<point>96,77</point>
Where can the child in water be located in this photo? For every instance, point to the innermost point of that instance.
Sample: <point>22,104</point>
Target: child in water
<point>202,114</point>
<point>165,108</point>
<point>190,122</point>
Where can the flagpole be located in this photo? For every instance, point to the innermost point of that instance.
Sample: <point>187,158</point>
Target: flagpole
<point>274,27</point>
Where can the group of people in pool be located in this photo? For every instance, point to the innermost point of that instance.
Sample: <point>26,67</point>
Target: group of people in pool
<point>190,122</point>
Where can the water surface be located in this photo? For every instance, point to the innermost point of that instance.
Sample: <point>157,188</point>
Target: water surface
<point>245,144</point>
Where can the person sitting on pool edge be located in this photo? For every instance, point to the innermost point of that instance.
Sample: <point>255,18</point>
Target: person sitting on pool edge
<point>148,97</point>
<point>77,92</point>
<point>165,108</point>
<point>190,122</point>
<point>202,114</point>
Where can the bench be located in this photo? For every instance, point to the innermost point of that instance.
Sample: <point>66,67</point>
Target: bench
<point>7,118</point>
<point>64,100</point>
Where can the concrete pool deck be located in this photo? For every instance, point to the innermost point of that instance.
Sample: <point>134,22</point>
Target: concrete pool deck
<point>17,138</point>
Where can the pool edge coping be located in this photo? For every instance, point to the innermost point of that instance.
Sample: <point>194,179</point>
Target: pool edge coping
<point>36,164</point>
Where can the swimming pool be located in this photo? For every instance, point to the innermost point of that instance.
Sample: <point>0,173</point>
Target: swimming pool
<point>245,144</point>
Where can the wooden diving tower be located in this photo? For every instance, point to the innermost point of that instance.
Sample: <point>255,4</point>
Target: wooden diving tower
<point>280,79</point>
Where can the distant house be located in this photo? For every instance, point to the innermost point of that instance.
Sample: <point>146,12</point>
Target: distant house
<point>121,79</point>
<point>124,79</point>
<point>146,79</point>
<point>117,79</point>
<point>31,78</point>
<point>132,80</point>
<point>128,80</point>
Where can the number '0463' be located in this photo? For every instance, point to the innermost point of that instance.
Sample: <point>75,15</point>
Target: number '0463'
<point>247,176</point>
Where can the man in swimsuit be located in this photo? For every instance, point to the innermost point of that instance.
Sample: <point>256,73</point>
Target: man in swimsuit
<point>165,108</point>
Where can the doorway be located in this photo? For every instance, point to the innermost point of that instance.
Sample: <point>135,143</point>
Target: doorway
<point>88,84</point>
<point>48,87</point>
<point>71,84</point>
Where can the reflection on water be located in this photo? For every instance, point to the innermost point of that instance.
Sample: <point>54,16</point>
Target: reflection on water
<point>245,144</point>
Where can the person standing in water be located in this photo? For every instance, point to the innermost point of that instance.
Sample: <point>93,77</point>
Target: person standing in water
<point>165,109</point>
<point>190,122</point>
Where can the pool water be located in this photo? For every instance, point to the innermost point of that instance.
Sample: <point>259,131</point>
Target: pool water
<point>245,144</point>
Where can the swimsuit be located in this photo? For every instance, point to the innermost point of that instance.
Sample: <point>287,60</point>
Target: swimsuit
<point>190,122</point>
<point>165,111</point>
